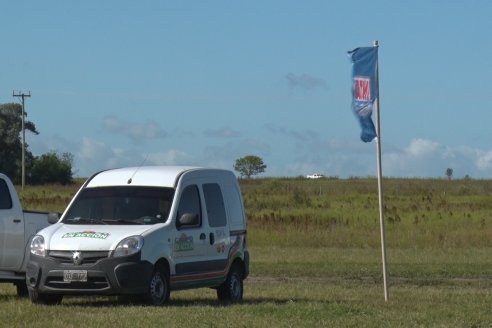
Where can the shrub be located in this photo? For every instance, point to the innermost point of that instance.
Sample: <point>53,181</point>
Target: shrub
<point>52,168</point>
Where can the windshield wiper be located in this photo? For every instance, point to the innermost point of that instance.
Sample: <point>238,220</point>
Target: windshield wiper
<point>79,220</point>
<point>121,221</point>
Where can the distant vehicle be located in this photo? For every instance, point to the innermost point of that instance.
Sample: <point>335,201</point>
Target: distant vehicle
<point>140,233</point>
<point>17,227</point>
<point>315,176</point>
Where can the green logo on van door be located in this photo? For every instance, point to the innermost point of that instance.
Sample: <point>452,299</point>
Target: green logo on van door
<point>183,243</point>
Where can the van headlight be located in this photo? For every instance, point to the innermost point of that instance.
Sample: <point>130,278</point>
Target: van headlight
<point>128,246</point>
<point>37,246</point>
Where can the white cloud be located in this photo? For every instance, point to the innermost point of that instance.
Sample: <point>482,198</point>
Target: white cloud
<point>350,157</point>
<point>422,148</point>
<point>302,136</point>
<point>224,155</point>
<point>427,158</point>
<point>170,157</point>
<point>93,155</point>
<point>133,130</point>
<point>484,160</point>
<point>298,153</point>
<point>41,144</point>
<point>305,81</point>
<point>91,149</point>
<point>221,133</point>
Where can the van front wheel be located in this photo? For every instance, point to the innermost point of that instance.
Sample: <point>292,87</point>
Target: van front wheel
<point>232,289</point>
<point>158,290</point>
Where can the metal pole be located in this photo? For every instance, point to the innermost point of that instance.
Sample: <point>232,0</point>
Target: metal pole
<point>23,148</point>
<point>22,96</point>
<point>380,182</point>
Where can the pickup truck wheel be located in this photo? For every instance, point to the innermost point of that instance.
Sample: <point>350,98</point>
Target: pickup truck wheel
<point>47,299</point>
<point>232,289</point>
<point>158,290</point>
<point>21,288</point>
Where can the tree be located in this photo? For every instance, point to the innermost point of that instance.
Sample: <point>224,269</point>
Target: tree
<point>249,165</point>
<point>11,142</point>
<point>449,173</point>
<point>52,168</point>
<point>47,168</point>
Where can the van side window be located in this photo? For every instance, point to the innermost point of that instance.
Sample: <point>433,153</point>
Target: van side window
<point>189,213</point>
<point>5,200</point>
<point>215,205</point>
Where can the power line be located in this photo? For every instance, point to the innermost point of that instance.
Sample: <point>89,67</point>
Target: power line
<point>22,95</point>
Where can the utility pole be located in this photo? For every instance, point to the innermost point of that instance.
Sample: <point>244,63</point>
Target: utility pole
<point>22,95</point>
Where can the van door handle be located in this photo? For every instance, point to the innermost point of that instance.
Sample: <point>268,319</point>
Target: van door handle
<point>17,220</point>
<point>212,238</point>
<point>203,236</point>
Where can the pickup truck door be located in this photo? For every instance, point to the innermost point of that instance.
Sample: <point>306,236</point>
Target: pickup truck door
<point>12,248</point>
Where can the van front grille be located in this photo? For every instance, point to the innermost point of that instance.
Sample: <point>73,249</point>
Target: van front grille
<point>87,257</point>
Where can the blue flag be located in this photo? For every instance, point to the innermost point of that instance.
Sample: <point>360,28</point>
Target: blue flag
<point>364,68</point>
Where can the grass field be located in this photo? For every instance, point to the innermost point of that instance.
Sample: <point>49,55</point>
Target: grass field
<point>316,261</point>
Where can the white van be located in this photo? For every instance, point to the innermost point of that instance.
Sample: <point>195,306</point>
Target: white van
<point>142,232</point>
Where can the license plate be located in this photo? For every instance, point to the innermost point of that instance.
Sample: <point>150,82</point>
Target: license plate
<point>75,275</point>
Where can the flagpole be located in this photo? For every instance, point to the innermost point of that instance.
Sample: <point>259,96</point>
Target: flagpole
<point>380,182</point>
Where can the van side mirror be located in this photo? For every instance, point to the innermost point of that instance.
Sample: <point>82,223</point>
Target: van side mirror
<point>188,219</point>
<point>53,218</point>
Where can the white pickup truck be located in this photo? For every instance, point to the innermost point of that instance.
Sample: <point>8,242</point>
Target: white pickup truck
<point>17,227</point>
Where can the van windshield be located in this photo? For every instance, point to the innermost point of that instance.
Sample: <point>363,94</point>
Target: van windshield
<point>120,205</point>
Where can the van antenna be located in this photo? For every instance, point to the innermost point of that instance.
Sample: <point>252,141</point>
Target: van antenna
<point>136,170</point>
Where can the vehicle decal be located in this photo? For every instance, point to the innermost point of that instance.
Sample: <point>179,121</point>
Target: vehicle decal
<point>198,277</point>
<point>183,243</point>
<point>234,253</point>
<point>220,248</point>
<point>87,234</point>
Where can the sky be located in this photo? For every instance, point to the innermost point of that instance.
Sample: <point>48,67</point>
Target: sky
<point>121,83</point>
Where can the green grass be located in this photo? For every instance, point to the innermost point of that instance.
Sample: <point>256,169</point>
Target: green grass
<point>316,260</point>
<point>274,302</point>
<point>51,198</point>
<point>411,265</point>
<point>344,213</point>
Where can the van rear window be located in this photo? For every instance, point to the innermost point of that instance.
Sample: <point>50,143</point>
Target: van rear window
<point>215,205</point>
<point>121,205</point>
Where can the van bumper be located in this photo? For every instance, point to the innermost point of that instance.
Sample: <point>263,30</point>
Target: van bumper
<point>107,276</point>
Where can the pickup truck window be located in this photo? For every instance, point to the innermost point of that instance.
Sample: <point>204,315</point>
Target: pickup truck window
<point>5,199</point>
<point>121,205</point>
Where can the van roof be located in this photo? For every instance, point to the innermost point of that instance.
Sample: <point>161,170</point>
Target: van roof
<point>159,176</point>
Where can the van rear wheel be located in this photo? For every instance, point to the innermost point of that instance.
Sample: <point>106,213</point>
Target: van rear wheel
<point>231,290</point>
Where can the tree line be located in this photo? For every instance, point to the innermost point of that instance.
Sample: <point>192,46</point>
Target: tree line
<point>50,167</point>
